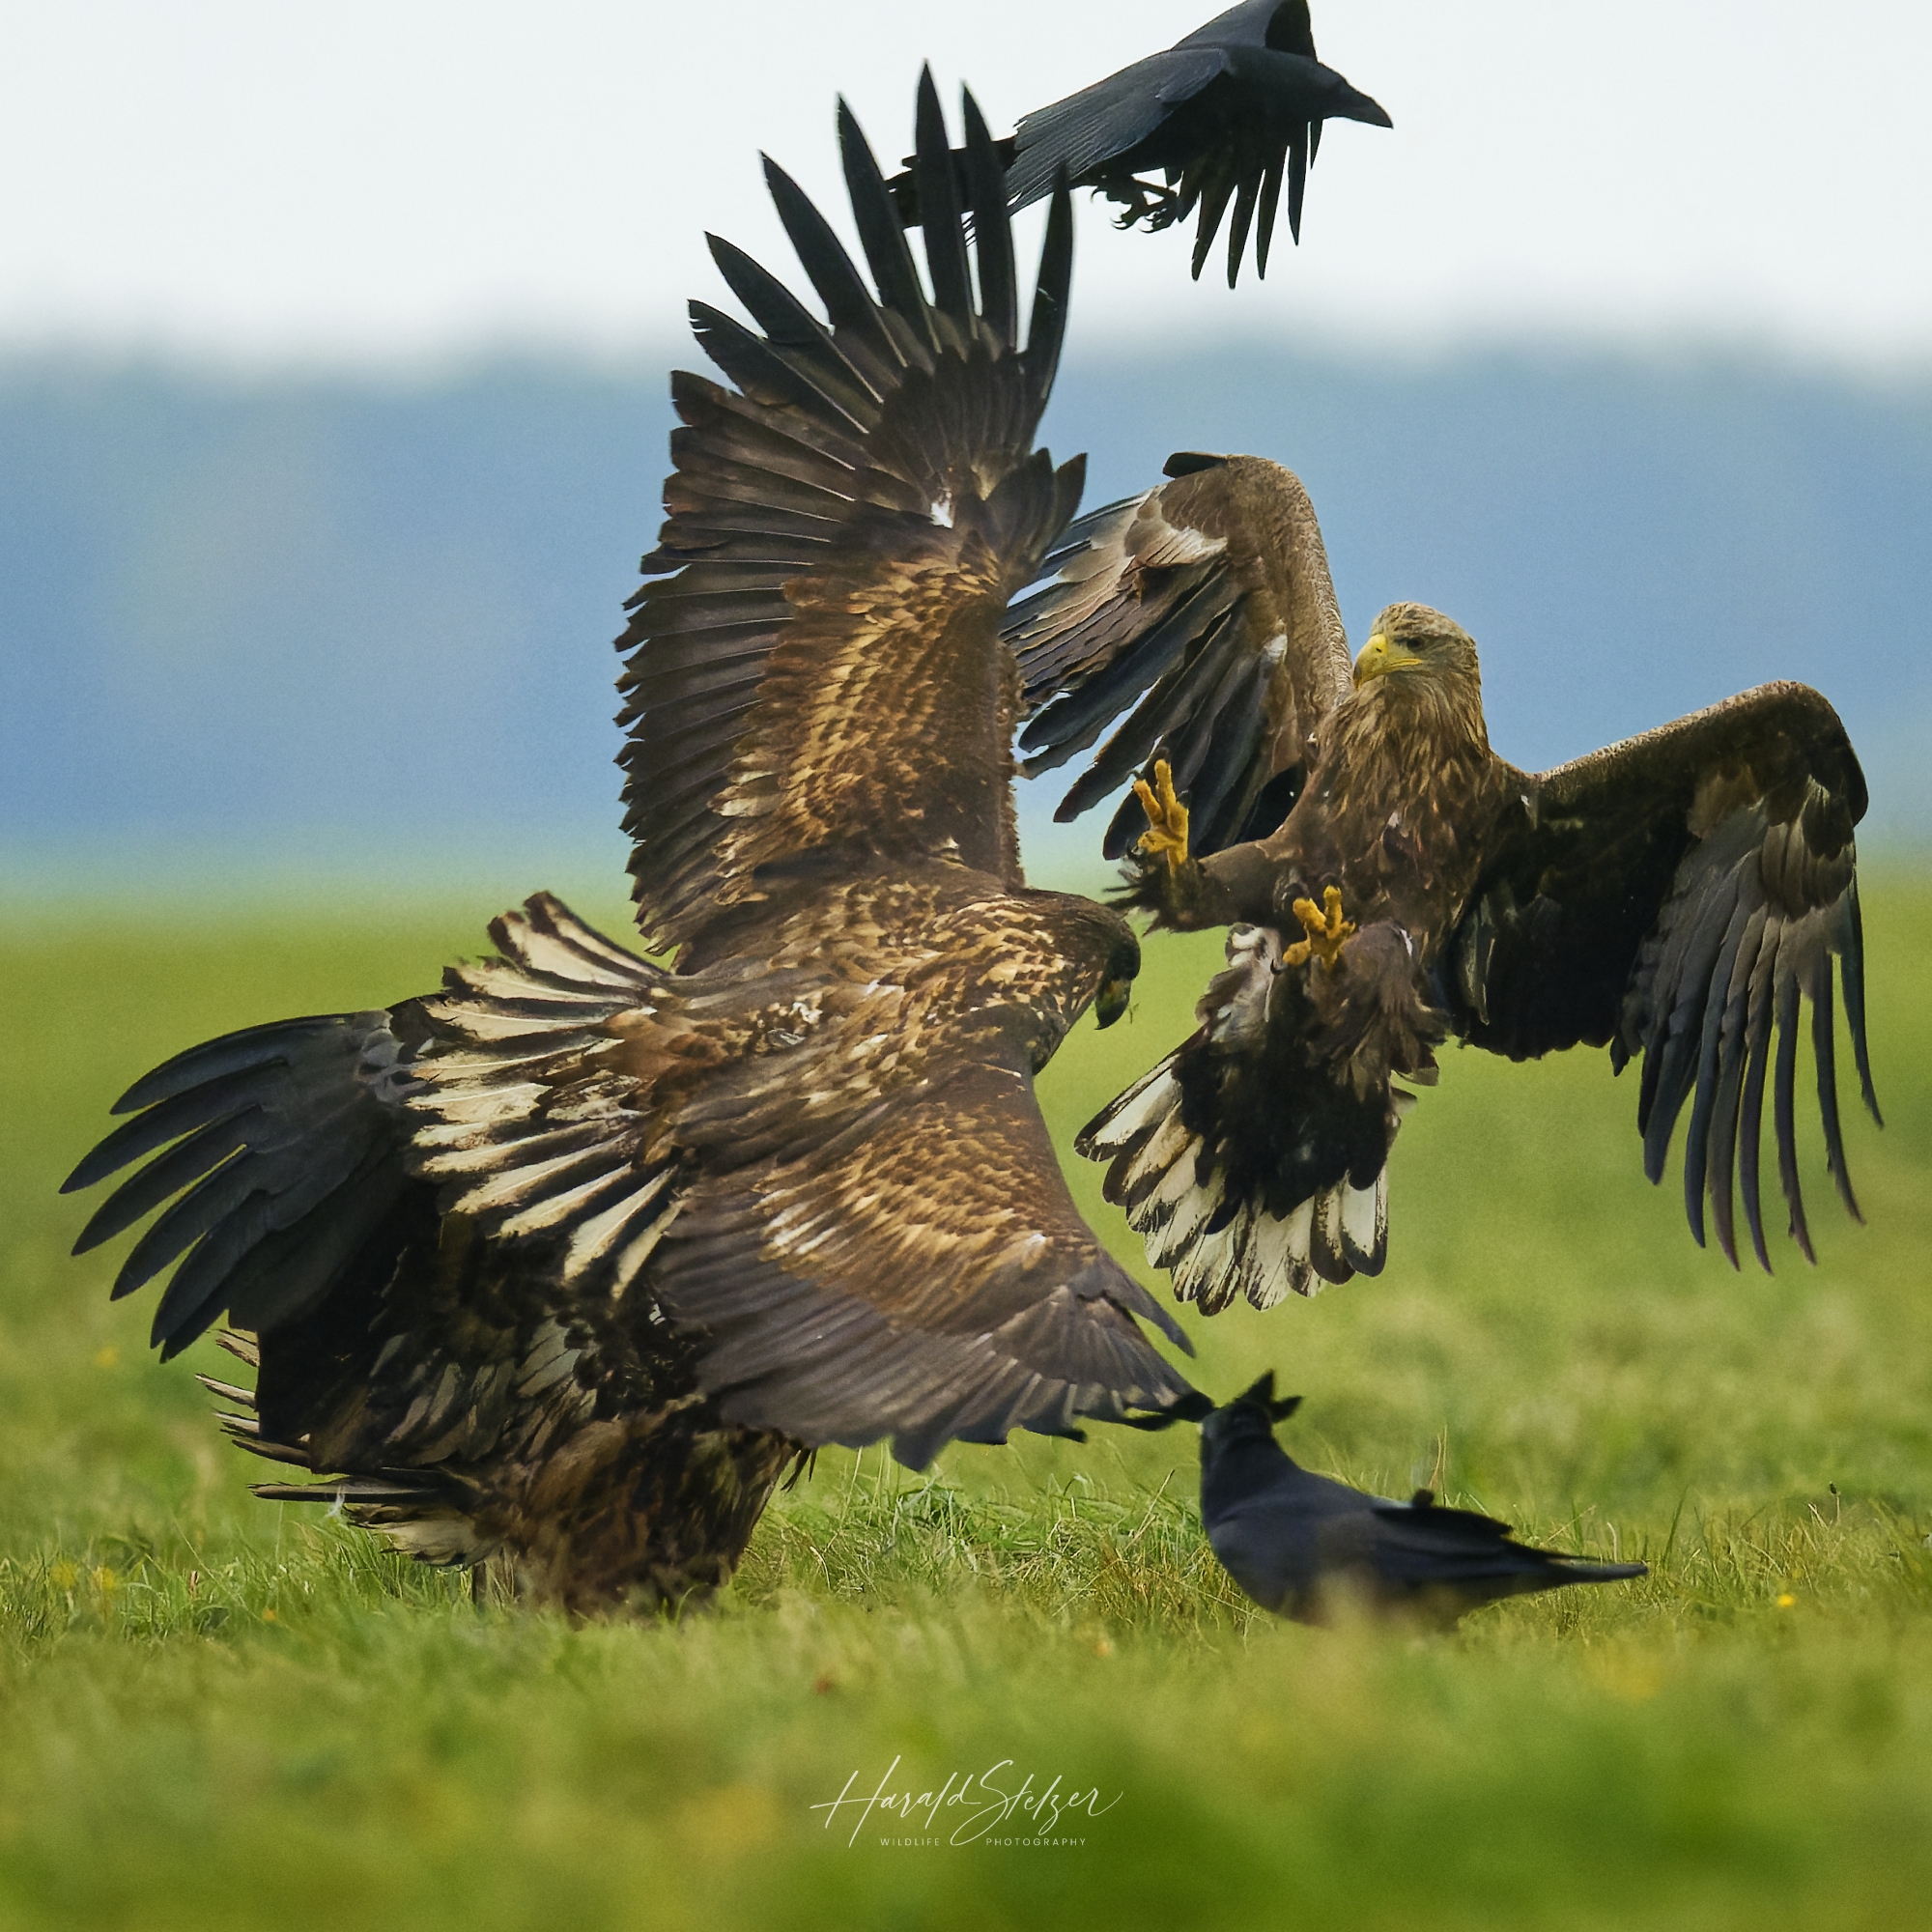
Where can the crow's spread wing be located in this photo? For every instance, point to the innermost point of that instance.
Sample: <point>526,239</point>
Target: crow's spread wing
<point>285,1145</point>
<point>1204,607</point>
<point>1226,116</point>
<point>817,673</point>
<point>1679,895</point>
<point>1089,132</point>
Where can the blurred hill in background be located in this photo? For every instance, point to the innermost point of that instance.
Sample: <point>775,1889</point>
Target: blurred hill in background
<point>334,624</point>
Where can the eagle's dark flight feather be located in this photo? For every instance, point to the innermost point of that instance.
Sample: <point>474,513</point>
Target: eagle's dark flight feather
<point>1673,896</point>
<point>1206,604</point>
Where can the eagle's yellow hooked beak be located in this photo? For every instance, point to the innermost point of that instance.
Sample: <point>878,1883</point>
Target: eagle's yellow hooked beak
<point>1112,1000</point>
<point>1379,657</point>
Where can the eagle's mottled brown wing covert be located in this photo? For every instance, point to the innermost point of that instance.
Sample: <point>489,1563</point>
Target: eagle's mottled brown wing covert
<point>924,1276</point>
<point>909,1267</point>
<point>816,672</point>
<point>1678,895</point>
<point>1206,607</point>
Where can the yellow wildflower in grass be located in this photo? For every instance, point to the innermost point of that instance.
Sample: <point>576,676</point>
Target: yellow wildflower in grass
<point>63,1576</point>
<point>1786,1600</point>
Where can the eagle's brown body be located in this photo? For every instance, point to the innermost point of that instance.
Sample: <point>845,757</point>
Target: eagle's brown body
<point>485,1422</point>
<point>1401,800</point>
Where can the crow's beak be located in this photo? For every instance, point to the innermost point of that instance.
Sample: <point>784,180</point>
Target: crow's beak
<point>1193,1406</point>
<point>1113,1000</point>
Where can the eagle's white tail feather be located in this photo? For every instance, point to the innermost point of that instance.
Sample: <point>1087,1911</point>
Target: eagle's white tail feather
<point>1170,1140</point>
<point>1153,1097</point>
<point>1342,1231</point>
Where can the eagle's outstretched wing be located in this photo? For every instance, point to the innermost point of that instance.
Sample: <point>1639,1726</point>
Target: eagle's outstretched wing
<point>1207,606</point>
<point>300,1209</point>
<point>908,1264</point>
<point>816,675</point>
<point>925,1277</point>
<point>1678,895</point>
<point>285,1146</point>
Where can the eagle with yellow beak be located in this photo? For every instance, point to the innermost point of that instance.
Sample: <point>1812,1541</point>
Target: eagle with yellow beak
<point>1387,881</point>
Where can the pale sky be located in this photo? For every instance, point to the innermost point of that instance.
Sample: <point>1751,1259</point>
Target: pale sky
<point>390,180</point>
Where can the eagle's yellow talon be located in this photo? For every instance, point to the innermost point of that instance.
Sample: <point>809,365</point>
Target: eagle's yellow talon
<point>1166,834</point>
<point>1327,929</point>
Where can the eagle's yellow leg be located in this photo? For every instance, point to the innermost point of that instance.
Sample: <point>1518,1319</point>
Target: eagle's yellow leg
<point>1166,834</point>
<point>1327,929</point>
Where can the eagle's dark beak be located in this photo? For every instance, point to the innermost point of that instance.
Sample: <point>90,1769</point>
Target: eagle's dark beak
<point>1112,1002</point>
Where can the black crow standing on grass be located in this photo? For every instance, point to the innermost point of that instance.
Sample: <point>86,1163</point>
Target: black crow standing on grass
<point>1305,1547</point>
<point>1221,115</point>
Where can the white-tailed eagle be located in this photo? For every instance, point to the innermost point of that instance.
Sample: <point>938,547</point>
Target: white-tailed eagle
<point>564,1264</point>
<point>1389,881</point>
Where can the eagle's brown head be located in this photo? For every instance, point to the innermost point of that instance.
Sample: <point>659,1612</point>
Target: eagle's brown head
<point>1413,638</point>
<point>1116,977</point>
<point>1101,955</point>
<point>1421,664</point>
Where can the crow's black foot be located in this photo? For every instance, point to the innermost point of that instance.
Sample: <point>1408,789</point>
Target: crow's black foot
<point>1158,206</point>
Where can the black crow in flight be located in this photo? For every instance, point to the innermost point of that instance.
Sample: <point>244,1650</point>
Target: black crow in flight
<point>1220,116</point>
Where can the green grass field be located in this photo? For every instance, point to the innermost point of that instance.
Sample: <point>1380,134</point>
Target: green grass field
<point>218,1712</point>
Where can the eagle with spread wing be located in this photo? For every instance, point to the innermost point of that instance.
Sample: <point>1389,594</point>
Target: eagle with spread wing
<point>1222,116</point>
<point>565,1264</point>
<point>1388,881</point>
